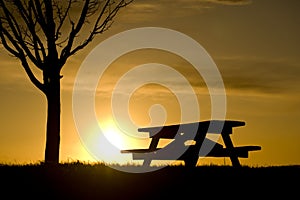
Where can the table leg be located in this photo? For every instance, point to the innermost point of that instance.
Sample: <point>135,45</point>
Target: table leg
<point>193,151</point>
<point>152,146</point>
<point>229,145</point>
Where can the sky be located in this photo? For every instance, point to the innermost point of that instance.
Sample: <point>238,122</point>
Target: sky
<point>254,44</point>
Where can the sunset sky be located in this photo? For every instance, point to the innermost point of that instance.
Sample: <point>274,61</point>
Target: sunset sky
<point>254,43</point>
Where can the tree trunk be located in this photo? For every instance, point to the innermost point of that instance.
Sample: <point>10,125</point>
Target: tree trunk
<point>53,121</point>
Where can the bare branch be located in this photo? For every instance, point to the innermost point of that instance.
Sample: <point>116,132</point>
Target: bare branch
<point>35,41</point>
<point>101,24</point>
<point>5,44</point>
<point>17,32</point>
<point>38,12</point>
<point>18,52</point>
<point>52,50</point>
<point>33,30</point>
<point>75,29</point>
<point>62,15</point>
<point>31,76</point>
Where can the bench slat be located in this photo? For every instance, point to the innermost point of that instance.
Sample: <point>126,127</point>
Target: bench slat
<point>138,150</point>
<point>241,151</point>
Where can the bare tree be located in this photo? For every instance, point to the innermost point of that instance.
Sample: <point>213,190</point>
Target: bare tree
<point>44,34</point>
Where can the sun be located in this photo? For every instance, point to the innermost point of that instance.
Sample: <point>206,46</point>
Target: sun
<point>106,146</point>
<point>114,135</point>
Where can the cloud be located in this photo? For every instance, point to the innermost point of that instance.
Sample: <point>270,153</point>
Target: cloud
<point>175,5</point>
<point>263,76</point>
<point>149,10</point>
<point>230,2</point>
<point>241,76</point>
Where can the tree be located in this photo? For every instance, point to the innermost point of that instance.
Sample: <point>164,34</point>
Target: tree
<point>44,34</point>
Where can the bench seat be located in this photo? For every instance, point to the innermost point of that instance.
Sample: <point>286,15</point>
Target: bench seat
<point>217,150</point>
<point>241,151</point>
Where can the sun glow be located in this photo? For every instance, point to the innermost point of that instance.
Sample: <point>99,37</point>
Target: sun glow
<point>106,145</point>
<point>114,135</point>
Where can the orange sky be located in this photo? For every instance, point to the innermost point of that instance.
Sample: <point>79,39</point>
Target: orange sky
<point>255,45</point>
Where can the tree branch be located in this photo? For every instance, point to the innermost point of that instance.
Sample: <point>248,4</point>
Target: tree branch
<point>17,33</point>
<point>98,28</point>
<point>6,45</point>
<point>31,76</point>
<point>62,17</point>
<point>19,54</point>
<point>75,29</point>
<point>38,12</point>
<point>35,40</point>
<point>31,30</point>
<point>52,51</point>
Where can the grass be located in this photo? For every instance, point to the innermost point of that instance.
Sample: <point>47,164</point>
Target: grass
<point>79,180</point>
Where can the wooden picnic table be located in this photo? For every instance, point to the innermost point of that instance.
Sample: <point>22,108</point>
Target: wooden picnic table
<point>201,146</point>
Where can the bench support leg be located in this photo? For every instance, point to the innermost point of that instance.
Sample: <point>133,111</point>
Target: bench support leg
<point>192,160</point>
<point>146,162</point>
<point>233,157</point>
<point>152,146</point>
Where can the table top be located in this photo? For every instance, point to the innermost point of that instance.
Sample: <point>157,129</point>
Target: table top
<point>209,126</point>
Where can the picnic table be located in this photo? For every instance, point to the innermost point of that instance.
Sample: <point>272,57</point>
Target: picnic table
<point>189,142</point>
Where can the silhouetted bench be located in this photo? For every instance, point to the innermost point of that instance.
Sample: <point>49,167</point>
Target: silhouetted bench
<point>190,142</point>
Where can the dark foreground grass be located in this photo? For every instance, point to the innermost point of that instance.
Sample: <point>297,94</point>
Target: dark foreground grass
<point>99,181</point>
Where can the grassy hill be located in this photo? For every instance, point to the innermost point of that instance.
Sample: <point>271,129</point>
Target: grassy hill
<point>99,181</point>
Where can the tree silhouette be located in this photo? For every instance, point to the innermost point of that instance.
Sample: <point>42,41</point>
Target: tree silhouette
<point>44,34</point>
